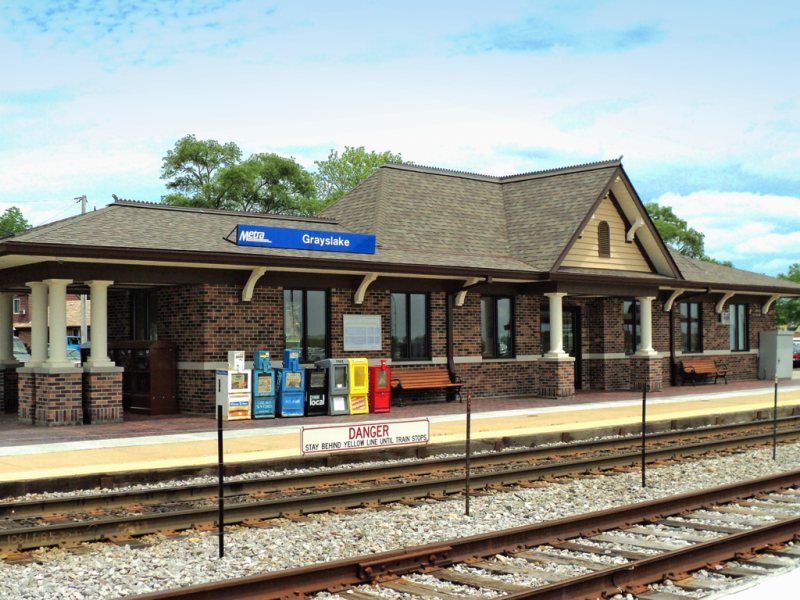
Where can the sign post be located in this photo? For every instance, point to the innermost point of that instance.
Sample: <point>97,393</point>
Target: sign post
<point>466,478</point>
<point>221,492</point>
<point>775,422</point>
<point>644,433</point>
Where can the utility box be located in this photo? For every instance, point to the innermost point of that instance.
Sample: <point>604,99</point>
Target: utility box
<point>775,354</point>
<point>380,389</point>
<point>338,384</point>
<point>359,386</point>
<point>263,386</point>
<point>316,392</point>
<point>290,383</point>
<point>234,388</point>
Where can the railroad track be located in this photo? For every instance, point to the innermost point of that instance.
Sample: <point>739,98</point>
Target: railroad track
<point>385,472</point>
<point>20,531</point>
<point>689,540</point>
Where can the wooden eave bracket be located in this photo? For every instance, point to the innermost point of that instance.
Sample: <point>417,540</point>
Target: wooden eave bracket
<point>721,304</point>
<point>637,223</point>
<point>668,303</point>
<point>255,275</point>
<point>461,296</point>
<point>358,297</point>
<point>769,303</point>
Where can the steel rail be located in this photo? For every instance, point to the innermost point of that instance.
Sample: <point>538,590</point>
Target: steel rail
<point>295,583</point>
<point>192,493</point>
<point>23,538</point>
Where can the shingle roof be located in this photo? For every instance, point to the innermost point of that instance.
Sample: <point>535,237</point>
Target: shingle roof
<point>710,273</point>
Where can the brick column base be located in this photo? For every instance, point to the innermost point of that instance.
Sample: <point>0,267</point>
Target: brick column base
<point>27,396</point>
<point>646,371</point>
<point>9,396</point>
<point>58,397</point>
<point>102,395</point>
<point>556,377</point>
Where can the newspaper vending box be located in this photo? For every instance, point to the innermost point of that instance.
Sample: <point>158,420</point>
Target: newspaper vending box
<point>338,384</point>
<point>290,385</point>
<point>234,388</point>
<point>359,386</point>
<point>316,392</point>
<point>263,386</point>
<point>380,390</point>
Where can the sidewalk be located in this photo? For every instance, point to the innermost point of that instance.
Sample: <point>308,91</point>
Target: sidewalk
<point>30,453</point>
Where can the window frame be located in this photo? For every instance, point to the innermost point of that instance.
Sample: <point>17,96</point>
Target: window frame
<point>735,327</point>
<point>637,326</point>
<point>150,315</point>
<point>407,357</point>
<point>512,344</point>
<point>16,306</point>
<point>304,338</point>
<point>688,320</point>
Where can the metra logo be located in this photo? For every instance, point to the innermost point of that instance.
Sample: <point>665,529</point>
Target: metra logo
<point>253,236</point>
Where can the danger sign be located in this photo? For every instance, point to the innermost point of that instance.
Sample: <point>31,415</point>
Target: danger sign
<point>336,438</point>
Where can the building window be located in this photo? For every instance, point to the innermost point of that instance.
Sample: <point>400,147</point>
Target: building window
<point>691,328</point>
<point>409,313</point>
<point>305,323</point>
<point>497,330</point>
<point>17,306</point>
<point>632,326</point>
<point>603,239</point>
<point>143,316</point>
<point>738,326</point>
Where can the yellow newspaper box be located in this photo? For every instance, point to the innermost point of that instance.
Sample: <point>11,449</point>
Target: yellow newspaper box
<point>359,385</point>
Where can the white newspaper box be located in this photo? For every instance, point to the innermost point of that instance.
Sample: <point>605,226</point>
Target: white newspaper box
<point>234,390</point>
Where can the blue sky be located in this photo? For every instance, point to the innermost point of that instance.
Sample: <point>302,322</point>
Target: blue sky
<point>702,99</point>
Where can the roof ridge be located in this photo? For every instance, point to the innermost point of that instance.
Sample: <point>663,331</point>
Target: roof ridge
<point>589,166</point>
<point>218,211</point>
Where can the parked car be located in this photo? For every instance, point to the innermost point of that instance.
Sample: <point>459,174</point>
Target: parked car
<point>73,355</point>
<point>21,351</point>
<point>796,355</point>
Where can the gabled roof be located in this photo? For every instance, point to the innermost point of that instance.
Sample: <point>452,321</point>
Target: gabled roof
<point>700,271</point>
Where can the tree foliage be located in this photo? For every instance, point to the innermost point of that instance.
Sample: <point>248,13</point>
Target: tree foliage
<point>207,174</point>
<point>677,233</point>
<point>12,221</point>
<point>337,175</point>
<point>788,309</point>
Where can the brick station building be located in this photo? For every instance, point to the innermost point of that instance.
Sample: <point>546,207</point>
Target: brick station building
<point>470,273</point>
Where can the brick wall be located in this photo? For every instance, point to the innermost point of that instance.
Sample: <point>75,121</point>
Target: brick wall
<point>58,399</point>
<point>556,378</point>
<point>102,397</point>
<point>119,315</point>
<point>376,302</point>
<point>27,398</point>
<point>9,396</point>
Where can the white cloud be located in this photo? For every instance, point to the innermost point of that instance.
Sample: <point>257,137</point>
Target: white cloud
<point>758,232</point>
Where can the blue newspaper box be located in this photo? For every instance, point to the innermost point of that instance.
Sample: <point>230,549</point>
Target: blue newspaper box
<point>263,386</point>
<point>290,383</point>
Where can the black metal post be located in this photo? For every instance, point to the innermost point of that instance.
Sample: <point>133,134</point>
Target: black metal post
<point>644,434</point>
<point>469,422</point>
<point>221,492</point>
<point>775,423</point>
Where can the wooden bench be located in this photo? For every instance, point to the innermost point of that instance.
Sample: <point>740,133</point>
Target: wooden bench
<point>705,365</point>
<point>427,379</point>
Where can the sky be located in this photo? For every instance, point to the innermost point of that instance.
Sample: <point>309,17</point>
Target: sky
<point>702,99</point>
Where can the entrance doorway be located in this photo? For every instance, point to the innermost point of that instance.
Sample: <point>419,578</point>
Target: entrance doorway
<point>571,327</point>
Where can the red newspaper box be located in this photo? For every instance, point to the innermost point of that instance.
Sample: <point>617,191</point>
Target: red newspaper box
<point>380,389</point>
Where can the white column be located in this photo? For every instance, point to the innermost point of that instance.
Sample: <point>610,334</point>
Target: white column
<point>7,330</point>
<point>556,326</point>
<point>38,323</point>
<point>646,323</point>
<point>58,323</point>
<point>99,298</point>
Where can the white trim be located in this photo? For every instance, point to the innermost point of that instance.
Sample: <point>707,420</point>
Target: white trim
<point>358,297</point>
<point>255,275</point>
<point>639,222</point>
<point>721,304</point>
<point>765,308</point>
<point>668,303</point>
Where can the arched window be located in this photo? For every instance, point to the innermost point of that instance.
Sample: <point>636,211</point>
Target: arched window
<point>603,239</point>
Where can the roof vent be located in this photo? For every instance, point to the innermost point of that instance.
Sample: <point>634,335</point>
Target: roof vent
<point>603,239</point>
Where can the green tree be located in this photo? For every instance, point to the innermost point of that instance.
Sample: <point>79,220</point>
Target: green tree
<point>207,174</point>
<point>788,309</point>
<point>677,233</point>
<point>337,175</point>
<point>12,221</point>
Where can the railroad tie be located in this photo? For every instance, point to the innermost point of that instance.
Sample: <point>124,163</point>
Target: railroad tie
<point>560,559</point>
<point>406,586</point>
<point>478,582</point>
<point>496,567</point>
<point>636,542</point>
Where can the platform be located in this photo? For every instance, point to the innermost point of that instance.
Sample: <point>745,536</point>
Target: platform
<point>146,443</point>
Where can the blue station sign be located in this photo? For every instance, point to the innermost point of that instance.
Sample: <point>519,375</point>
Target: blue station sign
<point>304,239</point>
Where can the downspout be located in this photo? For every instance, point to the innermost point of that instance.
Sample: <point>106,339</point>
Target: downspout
<point>451,363</point>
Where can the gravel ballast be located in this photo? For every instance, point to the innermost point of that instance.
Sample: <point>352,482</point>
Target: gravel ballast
<point>109,571</point>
